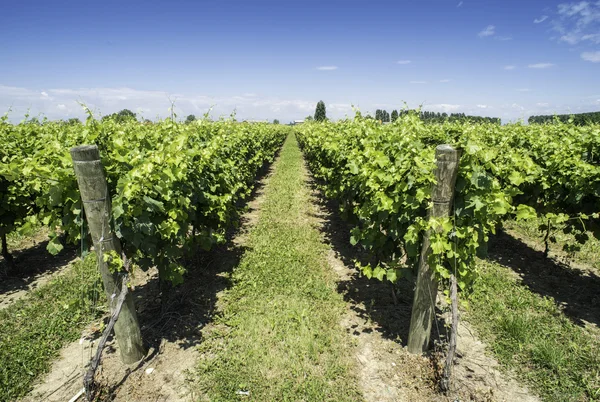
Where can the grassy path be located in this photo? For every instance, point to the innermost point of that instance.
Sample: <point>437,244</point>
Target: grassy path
<point>278,332</point>
<point>35,328</point>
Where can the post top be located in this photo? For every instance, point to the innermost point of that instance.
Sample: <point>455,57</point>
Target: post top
<point>446,152</point>
<point>445,148</point>
<point>85,153</point>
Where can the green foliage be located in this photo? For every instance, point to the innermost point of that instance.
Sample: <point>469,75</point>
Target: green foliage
<point>165,180</point>
<point>35,328</point>
<point>191,118</point>
<point>394,115</point>
<point>382,176</point>
<point>320,114</point>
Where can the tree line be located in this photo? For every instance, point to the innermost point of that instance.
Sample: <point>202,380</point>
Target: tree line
<point>579,119</point>
<point>432,117</point>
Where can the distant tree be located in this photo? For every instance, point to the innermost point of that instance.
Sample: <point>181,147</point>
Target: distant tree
<point>73,121</point>
<point>320,114</point>
<point>379,114</point>
<point>275,121</point>
<point>190,119</point>
<point>309,118</point>
<point>579,119</point>
<point>385,116</point>
<point>34,120</point>
<point>394,115</point>
<point>123,116</point>
<point>147,121</point>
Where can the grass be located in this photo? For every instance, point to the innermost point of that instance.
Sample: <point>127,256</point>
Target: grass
<point>278,332</point>
<point>529,334</point>
<point>35,328</point>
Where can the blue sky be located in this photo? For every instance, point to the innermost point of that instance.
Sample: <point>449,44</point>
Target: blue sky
<point>276,59</point>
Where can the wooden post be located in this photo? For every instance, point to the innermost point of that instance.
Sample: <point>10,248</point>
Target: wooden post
<point>97,204</point>
<point>447,374</point>
<point>423,309</point>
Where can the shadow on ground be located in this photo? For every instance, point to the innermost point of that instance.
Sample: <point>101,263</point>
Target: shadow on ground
<point>576,291</point>
<point>29,265</point>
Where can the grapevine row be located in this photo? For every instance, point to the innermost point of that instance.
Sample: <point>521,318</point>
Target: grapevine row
<point>171,184</point>
<point>382,177</point>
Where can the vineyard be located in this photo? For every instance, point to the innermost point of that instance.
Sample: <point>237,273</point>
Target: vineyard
<point>382,176</point>
<point>176,190</point>
<point>167,180</point>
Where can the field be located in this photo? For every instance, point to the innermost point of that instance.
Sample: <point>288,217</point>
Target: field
<point>267,262</point>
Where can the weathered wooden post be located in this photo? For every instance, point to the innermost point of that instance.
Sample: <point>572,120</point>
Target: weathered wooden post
<point>423,309</point>
<point>97,205</point>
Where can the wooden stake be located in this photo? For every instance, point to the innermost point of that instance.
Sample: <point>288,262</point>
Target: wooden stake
<point>88,379</point>
<point>447,375</point>
<point>97,205</point>
<point>423,309</point>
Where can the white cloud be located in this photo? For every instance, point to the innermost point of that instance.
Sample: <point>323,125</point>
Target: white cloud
<point>488,31</point>
<point>511,67</point>
<point>418,82</point>
<point>482,106</point>
<point>524,90</point>
<point>403,62</point>
<point>574,38</point>
<point>150,104</point>
<point>44,94</point>
<point>340,108</point>
<point>445,80</point>
<point>541,65</point>
<point>573,9</point>
<point>542,104</point>
<point>443,107</point>
<point>503,38</point>
<point>594,38</point>
<point>594,57</point>
<point>327,68</point>
<point>459,4</point>
<point>541,19</point>
<point>570,38</point>
<point>578,22</point>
